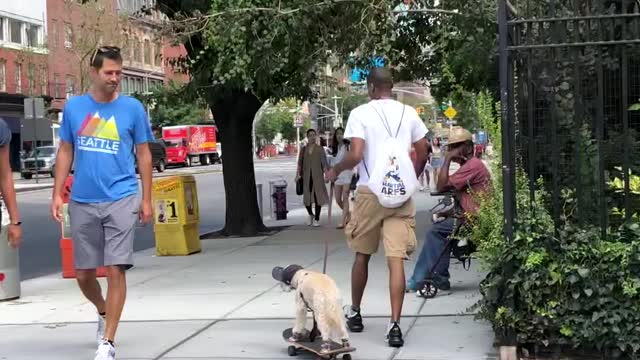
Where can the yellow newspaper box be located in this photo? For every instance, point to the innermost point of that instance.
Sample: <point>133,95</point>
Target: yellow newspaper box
<point>177,215</point>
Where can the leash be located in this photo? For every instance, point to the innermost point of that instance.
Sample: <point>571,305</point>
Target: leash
<point>326,238</point>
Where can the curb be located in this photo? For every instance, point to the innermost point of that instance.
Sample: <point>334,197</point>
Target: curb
<point>50,186</point>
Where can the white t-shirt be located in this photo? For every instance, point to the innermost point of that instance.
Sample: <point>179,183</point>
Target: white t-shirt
<point>370,122</point>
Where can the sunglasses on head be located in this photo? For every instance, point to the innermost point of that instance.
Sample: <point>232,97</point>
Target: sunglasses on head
<point>104,50</point>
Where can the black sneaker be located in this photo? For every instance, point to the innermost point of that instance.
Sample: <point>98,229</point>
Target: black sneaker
<point>354,320</point>
<point>394,336</point>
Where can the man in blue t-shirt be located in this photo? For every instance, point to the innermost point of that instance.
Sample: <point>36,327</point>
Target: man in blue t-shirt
<point>103,133</point>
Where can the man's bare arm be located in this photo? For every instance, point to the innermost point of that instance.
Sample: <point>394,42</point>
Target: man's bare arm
<point>7,186</point>
<point>64,159</point>
<point>421,156</point>
<point>143,154</point>
<point>352,158</point>
<point>442,184</point>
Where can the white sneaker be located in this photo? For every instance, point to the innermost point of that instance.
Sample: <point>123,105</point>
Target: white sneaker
<point>316,223</point>
<point>309,220</point>
<point>102,324</point>
<point>105,351</point>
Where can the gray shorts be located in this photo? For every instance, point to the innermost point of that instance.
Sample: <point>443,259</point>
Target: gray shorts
<point>103,233</point>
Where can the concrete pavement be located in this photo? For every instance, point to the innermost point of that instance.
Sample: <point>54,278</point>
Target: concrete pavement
<point>223,304</point>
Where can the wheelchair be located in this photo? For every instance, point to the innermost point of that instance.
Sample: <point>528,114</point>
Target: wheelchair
<point>455,247</point>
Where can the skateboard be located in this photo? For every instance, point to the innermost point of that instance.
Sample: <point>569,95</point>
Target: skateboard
<point>314,346</point>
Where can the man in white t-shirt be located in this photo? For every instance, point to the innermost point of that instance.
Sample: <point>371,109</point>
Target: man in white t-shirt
<point>370,223</point>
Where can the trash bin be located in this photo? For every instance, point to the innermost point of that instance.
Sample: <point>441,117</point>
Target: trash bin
<point>9,263</point>
<point>177,215</point>
<point>278,191</point>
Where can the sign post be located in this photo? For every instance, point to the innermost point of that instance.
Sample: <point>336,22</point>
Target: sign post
<point>450,113</point>
<point>34,109</point>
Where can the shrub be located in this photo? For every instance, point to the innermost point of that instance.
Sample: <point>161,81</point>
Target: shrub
<point>568,287</point>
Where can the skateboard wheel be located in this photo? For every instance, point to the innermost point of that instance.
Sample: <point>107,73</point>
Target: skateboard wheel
<point>346,357</point>
<point>292,350</point>
<point>428,290</point>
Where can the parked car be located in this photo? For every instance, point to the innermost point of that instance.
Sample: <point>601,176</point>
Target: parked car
<point>45,164</point>
<point>158,155</point>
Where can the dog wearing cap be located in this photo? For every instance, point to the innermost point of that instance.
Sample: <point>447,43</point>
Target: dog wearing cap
<point>319,293</point>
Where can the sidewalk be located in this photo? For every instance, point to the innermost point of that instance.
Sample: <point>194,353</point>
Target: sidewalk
<point>223,304</point>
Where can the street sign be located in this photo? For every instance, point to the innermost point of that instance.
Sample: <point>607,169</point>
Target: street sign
<point>29,108</point>
<point>450,112</point>
<point>298,120</point>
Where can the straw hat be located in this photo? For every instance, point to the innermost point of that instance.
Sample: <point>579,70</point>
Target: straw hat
<point>459,135</point>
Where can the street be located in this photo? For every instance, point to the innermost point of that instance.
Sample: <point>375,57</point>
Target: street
<point>40,253</point>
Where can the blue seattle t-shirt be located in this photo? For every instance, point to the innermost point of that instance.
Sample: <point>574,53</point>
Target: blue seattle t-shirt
<point>104,136</point>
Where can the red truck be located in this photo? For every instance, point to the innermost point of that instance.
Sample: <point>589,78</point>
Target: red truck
<point>187,144</point>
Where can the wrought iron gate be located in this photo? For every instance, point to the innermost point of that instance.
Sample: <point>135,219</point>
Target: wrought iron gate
<point>569,72</point>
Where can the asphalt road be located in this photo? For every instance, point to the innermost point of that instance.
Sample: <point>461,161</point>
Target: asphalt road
<point>40,253</point>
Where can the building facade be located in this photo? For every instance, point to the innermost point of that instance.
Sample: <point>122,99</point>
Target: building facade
<point>46,47</point>
<point>147,54</point>
<point>23,63</point>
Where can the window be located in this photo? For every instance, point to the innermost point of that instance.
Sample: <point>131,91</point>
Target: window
<point>137,53</point>
<point>2,22</point>
<point>158,55</point>
<point>18,78</point>
<point>68,36</point>
<point>56,86</point>
<point>147,52</point>
<point>31,78</point>
<point>44,80</point>
<point>53,39</point>
<point>15,28</point>
<point>32,35</point>
<point>70,86</point>
<point>3,75</point>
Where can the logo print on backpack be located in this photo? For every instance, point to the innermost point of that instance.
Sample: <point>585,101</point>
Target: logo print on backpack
<point>392,183</point>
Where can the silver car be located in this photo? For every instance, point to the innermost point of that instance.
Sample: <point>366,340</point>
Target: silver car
<point>45,164</point>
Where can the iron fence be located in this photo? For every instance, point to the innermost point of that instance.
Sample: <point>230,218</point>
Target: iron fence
<point>569,72</point>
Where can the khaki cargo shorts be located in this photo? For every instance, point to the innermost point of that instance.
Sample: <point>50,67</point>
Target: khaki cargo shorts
<point>370,222</point>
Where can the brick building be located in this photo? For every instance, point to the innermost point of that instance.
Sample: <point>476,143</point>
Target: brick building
<point>147,53</point>
<point>46,47</point>
<point>23,63</point>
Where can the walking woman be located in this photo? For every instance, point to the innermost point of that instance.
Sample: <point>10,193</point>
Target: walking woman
<point>339,149</point>
<point>437,158</point>
<point>312,164</point>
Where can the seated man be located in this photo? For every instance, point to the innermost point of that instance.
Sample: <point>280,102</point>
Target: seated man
<point>472,177</point>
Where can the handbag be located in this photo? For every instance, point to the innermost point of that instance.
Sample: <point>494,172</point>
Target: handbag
<point>299,187</point>
<point>300,181</point>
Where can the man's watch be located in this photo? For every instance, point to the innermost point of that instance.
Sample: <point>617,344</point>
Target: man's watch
<point>16,223</point>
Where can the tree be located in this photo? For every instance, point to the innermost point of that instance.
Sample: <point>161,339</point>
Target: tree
<point>100,24</point>
<point>173,104</point>
<point>243,52</point>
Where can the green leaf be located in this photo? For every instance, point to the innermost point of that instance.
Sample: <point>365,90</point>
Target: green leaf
<point>634,107</point>
<point>588,292</point>
<point>583,272</point>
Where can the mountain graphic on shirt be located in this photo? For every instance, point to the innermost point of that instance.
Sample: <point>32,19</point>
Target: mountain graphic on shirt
<point>98,134</point>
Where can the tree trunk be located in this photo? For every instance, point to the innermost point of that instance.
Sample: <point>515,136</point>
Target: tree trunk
<point>234,112</point>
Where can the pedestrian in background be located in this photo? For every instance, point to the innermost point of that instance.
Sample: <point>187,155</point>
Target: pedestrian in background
<point>437,158</point>
<point>14,234</point>
<point>312,164</point>
<point>103,133</point>
<point>339,148</point>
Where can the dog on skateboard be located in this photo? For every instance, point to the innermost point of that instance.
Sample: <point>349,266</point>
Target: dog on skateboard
<point>319,293</point>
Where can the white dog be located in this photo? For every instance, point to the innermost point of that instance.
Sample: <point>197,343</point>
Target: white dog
<point>319,293</point>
